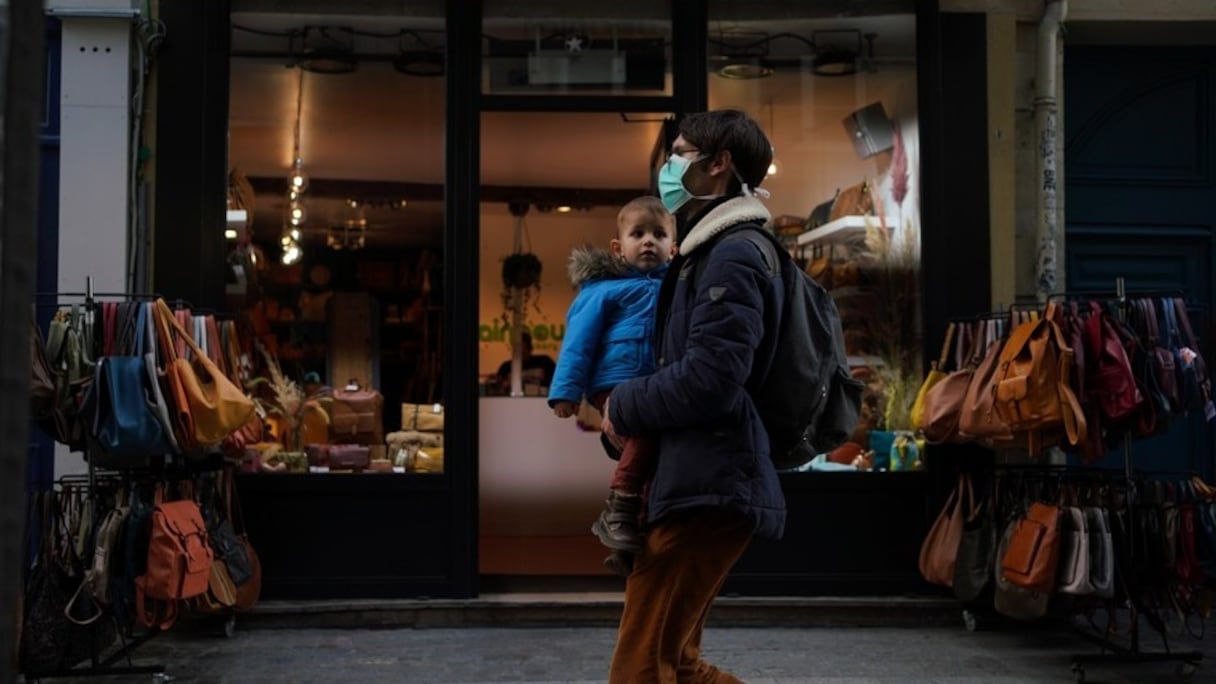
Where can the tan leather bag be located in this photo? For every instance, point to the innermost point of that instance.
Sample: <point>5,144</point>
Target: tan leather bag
<point>217,407</point>
<point>1032,559</point>
<point>939,551</point>
<point>937,373</point>
<point>422,417</point>
<point>944,401</point>
<point>1032,390</point>
<point>978,419</point>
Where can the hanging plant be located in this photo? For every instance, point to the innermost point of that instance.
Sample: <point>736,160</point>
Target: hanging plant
<point>521,271</point>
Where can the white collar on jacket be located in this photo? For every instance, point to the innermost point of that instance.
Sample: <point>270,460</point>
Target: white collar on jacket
<point>731,212</point>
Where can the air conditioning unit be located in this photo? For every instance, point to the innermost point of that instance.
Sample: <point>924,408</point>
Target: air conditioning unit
<point>587,67</point>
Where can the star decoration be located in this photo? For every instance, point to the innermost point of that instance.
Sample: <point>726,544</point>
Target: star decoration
<point>574,44</point>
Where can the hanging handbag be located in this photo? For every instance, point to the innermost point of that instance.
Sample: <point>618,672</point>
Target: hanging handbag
<point>939,551</point>
<point>944,401</point>
<point>1010,599</point>
<point>125,427</point>
<point>973,567</point>
<point>978,419</point>
<point>1074,571</point>
<point>1101,552</point>
<point>216,406</point>
<point>936,374</point>
<point>1032,559</point>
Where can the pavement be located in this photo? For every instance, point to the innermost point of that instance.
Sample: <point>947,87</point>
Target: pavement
<point>997,651</point>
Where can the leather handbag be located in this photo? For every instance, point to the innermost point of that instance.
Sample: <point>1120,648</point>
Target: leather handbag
<point>978,419</point>
<point>976,549</point>
<point>1073,576</point>
<point>944,401</point>
<point>1101,552</point>
<point>935,375</point>
<point>125,426</point>
<point>422,417</point>
<point>1032,559</point>
<point>217,407</point>
<point>939,551</point>
<point>349,457</point>
<point>1010,599</point>
<point>356,417</point>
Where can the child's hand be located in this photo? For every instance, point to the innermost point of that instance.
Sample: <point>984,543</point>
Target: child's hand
<point>565,409</point>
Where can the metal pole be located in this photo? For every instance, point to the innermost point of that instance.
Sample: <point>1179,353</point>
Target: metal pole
<point>22,60</point>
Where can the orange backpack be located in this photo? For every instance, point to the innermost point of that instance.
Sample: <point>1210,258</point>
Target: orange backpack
<point>179,559</point>
<point>1032,391</point>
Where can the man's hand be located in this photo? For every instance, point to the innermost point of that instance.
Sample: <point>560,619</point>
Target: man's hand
<point>607,429</point>
<point>565,409</point>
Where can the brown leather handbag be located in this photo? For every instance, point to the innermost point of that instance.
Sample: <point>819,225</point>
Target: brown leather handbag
<point>1032,557</point>
<point>944,401</point>
<point>356,417</point>
<point>939,551</point>
<point>978,419</point>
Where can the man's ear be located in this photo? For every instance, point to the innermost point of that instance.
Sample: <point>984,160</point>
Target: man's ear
<point>721,163</point>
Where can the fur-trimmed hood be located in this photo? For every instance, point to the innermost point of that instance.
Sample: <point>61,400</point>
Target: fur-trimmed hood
<point>731,212</point>
<point>593,263</point>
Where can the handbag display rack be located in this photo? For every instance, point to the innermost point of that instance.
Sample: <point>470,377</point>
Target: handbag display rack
<point>151,527</point>
<point>1106,369</point>
<point>1137,510</point>
<point>51,519</point>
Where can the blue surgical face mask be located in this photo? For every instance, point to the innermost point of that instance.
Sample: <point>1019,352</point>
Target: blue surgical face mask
<point>672,192</point>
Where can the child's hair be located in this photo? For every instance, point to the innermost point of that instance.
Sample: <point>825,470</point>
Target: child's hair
<point>648,204</point>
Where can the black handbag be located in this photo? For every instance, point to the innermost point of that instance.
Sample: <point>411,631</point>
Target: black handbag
<point>976,554</point>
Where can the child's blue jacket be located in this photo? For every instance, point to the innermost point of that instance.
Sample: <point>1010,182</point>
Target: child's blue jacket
<point>609,327</point>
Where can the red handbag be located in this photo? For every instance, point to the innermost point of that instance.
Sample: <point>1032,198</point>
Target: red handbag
<point>349,457</point>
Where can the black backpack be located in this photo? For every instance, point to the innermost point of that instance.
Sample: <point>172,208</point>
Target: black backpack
<point>809,401</point>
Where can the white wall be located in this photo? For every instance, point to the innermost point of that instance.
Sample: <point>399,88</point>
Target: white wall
<point>93,163</point>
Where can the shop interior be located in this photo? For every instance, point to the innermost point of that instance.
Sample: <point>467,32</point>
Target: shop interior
<point>346,274</point>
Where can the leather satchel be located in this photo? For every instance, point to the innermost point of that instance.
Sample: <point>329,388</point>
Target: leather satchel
<point>356,417</point>
<point>939,551</point>
<point>217,407</point>
<point>1032,559</point>
<point>1010,599</point>
<point>349,457</point>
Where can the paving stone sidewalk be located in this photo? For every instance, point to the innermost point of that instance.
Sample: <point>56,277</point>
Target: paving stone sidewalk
<point>580,655</point>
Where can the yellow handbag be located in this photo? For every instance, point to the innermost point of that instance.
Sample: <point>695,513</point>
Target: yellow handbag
<point>217,407</point>
<point>936,374</point>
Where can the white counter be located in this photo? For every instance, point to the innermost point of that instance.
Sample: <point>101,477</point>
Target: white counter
<point>540,475</point>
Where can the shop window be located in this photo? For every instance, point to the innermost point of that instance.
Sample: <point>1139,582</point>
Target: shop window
<point>336,159</point>
<point>837,98</point>
<point>620,48</point>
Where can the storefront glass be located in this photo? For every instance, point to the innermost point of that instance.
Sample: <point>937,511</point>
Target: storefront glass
<point>341,271</point>
<point>837,97</point>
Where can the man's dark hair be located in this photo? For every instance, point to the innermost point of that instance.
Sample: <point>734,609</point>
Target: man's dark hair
<point>733,130</point>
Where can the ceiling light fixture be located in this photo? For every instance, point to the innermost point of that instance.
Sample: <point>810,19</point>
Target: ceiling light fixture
<point>423,63</point>
<point>746,68</point>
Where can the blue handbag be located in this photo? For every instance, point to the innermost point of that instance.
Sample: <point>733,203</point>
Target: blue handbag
<point>126,430</point>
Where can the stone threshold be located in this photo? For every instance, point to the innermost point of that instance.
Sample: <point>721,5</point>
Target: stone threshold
<point>587,609</point>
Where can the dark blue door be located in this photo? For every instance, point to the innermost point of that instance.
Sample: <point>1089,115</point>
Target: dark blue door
<point>1140,160</point>
<point>41,462</point>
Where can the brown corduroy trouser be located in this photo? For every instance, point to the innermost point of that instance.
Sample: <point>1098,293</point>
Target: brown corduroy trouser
<point>667,598</point>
